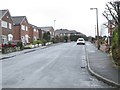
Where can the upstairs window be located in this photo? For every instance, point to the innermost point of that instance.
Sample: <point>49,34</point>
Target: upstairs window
<point>34,30</point>
<point>23,27</point>
<point>26,28</point>
<point>4,24</point>
<point>37,30</point>
<point>10,26</point>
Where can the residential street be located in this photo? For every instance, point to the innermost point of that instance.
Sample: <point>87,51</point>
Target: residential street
<point>60,66</point>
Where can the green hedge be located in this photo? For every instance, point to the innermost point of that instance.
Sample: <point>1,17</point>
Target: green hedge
<point>116,45</point>
<point>37,42</point>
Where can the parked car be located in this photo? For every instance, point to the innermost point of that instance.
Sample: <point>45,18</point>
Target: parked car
<point>80,41</point>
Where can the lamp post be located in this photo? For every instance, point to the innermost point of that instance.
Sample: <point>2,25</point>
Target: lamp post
<point>54,27</point>
<point>54,24</point>
<point>95,31</point>
<point>98,44</point>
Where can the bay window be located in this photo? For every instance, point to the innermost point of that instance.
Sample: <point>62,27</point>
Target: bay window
<point>4,24</point>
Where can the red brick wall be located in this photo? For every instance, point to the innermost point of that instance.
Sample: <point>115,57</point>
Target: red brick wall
<point>16,33</point>
<point>24,32</point>
<point>30,33</point>
<point>36,34</point>
<point>7,18</point>
<point>40,33</point>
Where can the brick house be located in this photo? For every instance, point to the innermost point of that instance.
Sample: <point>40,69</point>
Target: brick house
<point>34,33</point>
<point>21,31</point>
<point>6,24</point>
<point>48,29</point>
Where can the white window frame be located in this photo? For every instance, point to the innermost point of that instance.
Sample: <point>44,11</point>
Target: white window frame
<point>10,37</point>
<point>26,28</point>
<point>4,24</point>
<point>37,30</point>
<point>10,26</point>
<point>23,27</point>
<point>34,29</point>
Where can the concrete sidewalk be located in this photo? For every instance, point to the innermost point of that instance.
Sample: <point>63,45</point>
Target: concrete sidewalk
<point>9,55</point>
<point>101,65</point>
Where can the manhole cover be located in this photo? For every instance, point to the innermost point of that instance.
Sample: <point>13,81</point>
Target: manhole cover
<point>83,67</point>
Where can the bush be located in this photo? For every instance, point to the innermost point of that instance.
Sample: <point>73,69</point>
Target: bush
<point>54,40</point>
<point>43,42</point>
<point>116,46</point>
<point>37,42</point>
<point>58,39</point>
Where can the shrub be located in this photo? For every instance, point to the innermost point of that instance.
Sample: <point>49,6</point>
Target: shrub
<point>53,40</point>
<point>116,46</point>
<point>43,42</point>
<point>38,42</point>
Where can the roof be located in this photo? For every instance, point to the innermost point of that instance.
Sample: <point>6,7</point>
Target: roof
<point>66,31</point>
<point>62,31</point>
<point>3,12</point>
<point>33,25</point>
<point>18,19</point>
<point>72,31</point>
<point>47,28</point>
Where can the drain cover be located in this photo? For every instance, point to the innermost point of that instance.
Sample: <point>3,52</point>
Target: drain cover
<point>82,67</point>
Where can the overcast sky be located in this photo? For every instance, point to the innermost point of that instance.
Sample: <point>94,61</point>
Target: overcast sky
<point>69,14</point>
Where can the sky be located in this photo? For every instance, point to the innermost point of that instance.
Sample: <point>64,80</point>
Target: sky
<point>68,14</point>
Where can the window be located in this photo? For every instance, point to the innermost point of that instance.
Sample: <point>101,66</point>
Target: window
<point>4,24</point>
<point>23,27</point>
<point>26,38</point>
<point>34,30</point>
<point>10,37</point>
<point>7,17</point>
<point>4,38</point>
<point>10,26</point>
<point>35,38</point>
<point>37,30</point>
<point>23,39</point>
<point>26,28</point>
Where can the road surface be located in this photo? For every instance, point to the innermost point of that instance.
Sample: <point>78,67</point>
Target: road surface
<point>59,66</point>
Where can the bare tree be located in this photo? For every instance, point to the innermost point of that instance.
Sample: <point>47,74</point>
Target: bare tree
<point>112,12</point>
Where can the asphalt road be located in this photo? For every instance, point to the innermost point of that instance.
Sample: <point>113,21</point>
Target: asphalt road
<point>60,66</point>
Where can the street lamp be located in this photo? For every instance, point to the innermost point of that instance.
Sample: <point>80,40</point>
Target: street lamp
<point>54,24</point>
<point>54,28</point>
<point>98,44</point>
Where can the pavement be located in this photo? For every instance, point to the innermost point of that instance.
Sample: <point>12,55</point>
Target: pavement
<point>101,65</point>
<point>13,54</point>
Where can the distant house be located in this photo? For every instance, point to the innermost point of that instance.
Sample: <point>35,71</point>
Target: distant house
<point>6,24</point>
<point>62,32</point>
<point>49,29</point>
<point>34,33</point>
<point>66,32</point>
<point>21,31</point>
<point>69,33</point>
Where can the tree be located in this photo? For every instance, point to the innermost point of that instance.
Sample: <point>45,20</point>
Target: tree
<point>46,36</point>
<point>112,14</point>
<point>113,10</point>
